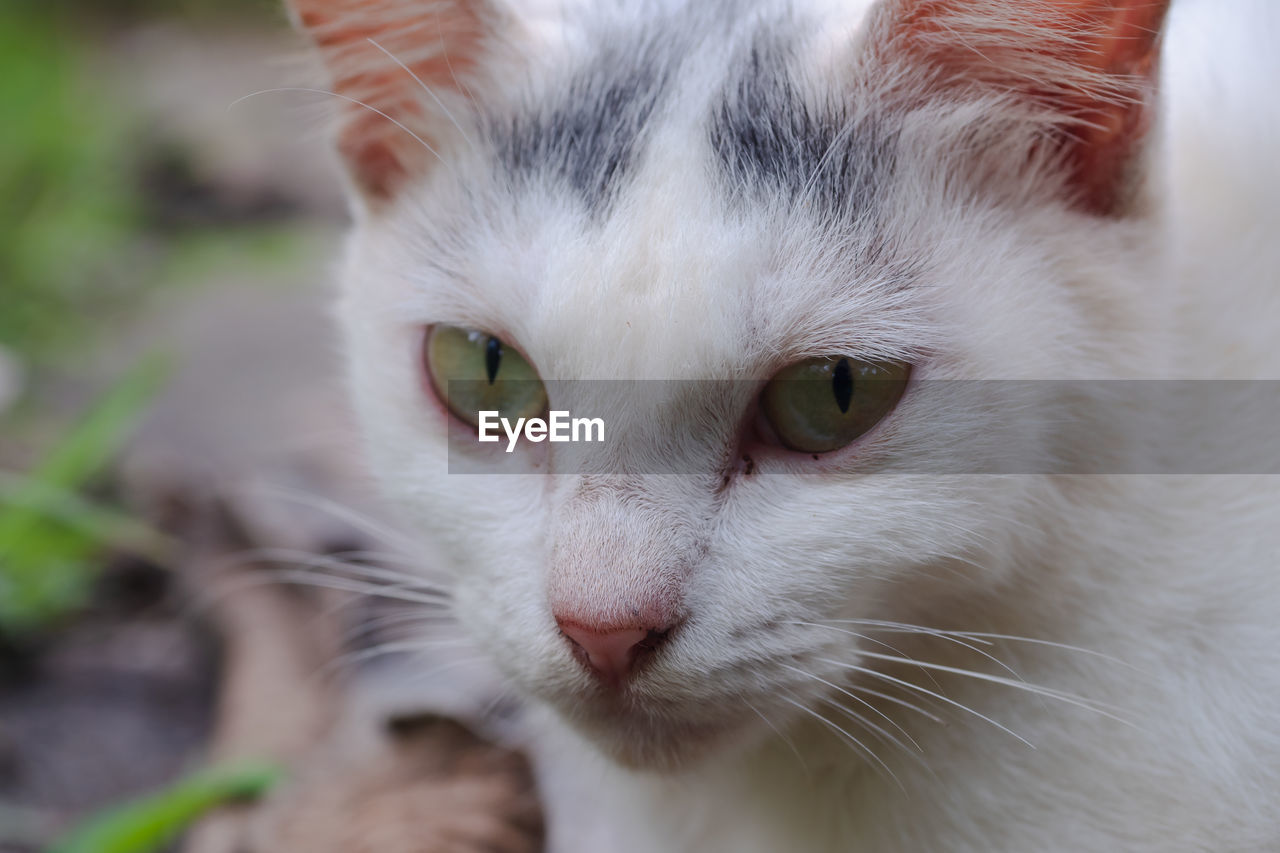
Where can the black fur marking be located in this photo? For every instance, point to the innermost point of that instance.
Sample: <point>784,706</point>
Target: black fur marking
<point>590,134</point>
<point>771,141</point>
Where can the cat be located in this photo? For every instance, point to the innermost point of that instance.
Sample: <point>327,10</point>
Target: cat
<point>794,645</point>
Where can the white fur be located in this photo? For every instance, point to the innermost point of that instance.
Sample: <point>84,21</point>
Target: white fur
<point>1173,582</point>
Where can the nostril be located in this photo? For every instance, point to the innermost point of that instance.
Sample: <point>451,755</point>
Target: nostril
<point>610,652</point>
<point>653,639</point>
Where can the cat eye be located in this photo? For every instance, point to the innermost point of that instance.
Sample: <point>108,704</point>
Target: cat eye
<point>823,404</point>
<point>474,371</point>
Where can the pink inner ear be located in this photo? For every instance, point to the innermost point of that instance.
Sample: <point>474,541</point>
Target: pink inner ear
<point>1127,49</point>
<point>1091,61</point>
<point>436,41</point>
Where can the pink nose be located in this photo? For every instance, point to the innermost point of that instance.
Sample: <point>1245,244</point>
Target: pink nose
<point>610,653</point>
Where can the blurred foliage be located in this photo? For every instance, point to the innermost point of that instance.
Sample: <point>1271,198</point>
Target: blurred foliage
<point>49,530</point>
<point>67,203</point>
<point>113,11</point>
<point>148,825</point>
<point>96,213</point>
<point>72,167</point>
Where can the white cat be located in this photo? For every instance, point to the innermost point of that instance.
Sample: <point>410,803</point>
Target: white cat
<point>879,619</point>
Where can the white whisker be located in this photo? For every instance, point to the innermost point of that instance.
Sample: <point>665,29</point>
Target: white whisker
<point>343,513</point>
<point>1039,690</point>
<point>343,97</point>
<point>907,684</point>
<point>877,642</point>
<point>342,568</point>
<point>444,51</point>
<point>982,635</point>
<point>858,699</point>
<point>428,90</point>
<point>913,629</point>
<point>471,660</point>
<point>405,619</point>
<point>848,737</point>
<point>366,556</point>
<point>788,741</point>
<point>887,697</point>
<point>302,577</point>
<point>878,732</point>
<point>354,658</point>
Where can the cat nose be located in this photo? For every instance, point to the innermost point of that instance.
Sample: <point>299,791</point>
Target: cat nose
<point>611,653</point>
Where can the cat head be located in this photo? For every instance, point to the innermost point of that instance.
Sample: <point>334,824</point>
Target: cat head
<point>710,194</point>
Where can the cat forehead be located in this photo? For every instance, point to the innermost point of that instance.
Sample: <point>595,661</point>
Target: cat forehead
<point>751,83</point>
<point>685,169</point>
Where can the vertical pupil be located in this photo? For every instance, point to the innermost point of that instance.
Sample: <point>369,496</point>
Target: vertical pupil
<point>842,385</point>
<point>492,358</point>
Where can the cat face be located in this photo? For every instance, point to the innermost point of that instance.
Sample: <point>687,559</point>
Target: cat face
<point>706,196</point>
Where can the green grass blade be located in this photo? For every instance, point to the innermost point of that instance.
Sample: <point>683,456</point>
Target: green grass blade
<point>43,558</point>
<point>148,824</point>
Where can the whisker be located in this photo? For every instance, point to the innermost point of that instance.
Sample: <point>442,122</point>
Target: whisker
<point>982,635</point>
<point>858,699</point>
<point>427,89</point>
<point>444,51</point>
<point>848,737</point>
<point>788,741</point>
<point>913,629</point>
<point>504,693</point>
<point>357,102</point>
<point>878,732</point>
<point>327,505</point>
<point>354,658</point>
<point>226,589</point>
<point>471,660</point>
<point>206,599</point>
<point>907,684</point>
<point>301,577</point>
<point>858,688</point>
<point>366,556</point>
<point>405,619</point>
<point>904,627</point>
<point>859,636</point>
<point>342,568</point>
<point>1039,690</point>
<point>329,670</point>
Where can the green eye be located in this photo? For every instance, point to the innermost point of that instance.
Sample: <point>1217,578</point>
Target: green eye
<point>822,404</point>
<point>474,371</point>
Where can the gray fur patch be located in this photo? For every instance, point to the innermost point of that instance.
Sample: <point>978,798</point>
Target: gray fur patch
<point>770,141</point>
<point>590,135</point>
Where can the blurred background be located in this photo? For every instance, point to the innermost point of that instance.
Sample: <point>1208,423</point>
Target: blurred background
<point>164,249</point>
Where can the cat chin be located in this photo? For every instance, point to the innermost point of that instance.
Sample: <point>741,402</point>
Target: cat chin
<point>668,748</point>
<point>645,742</point>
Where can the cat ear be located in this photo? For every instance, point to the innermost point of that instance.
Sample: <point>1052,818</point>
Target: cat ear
<point>1086,68</point>
<point>394,64</point>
